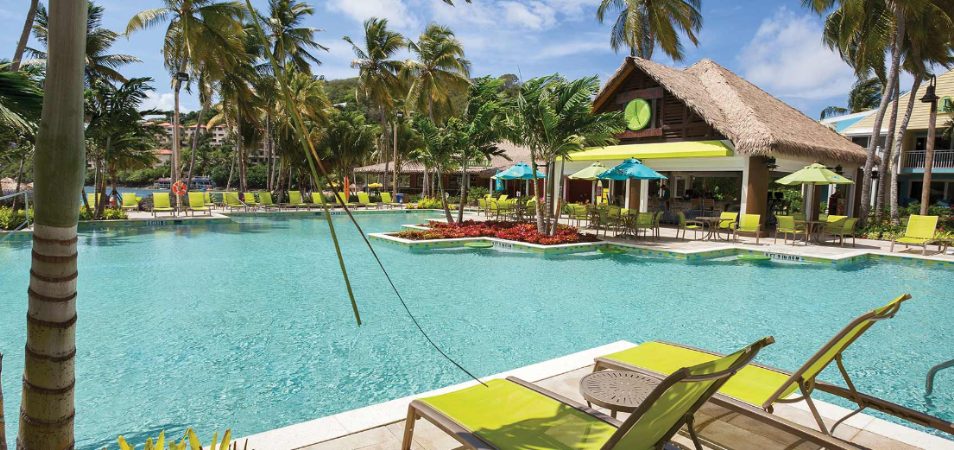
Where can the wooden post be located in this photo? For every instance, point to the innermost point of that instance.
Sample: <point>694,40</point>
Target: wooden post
<point>756,188</point>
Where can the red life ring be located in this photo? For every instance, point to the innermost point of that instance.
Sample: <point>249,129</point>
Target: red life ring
<point>179,188</point>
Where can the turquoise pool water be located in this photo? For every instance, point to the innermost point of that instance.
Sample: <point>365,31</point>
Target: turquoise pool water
<point>247,325</point>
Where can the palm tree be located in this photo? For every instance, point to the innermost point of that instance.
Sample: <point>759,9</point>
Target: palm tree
<point>865,94</point>
<point>348,141</point>
<point>552,117</point>
<point>482,127</point>
<point>239,111</point>
<point>643,25</point>
<point>439,73</point>
<point>20,100</point>
<point>378,82</point>
<point>22,42</point>
<point>47,410</point>
<point>100,64</point>
<point>291,42</point>
<point>440,150</point>
<point>202,37</point>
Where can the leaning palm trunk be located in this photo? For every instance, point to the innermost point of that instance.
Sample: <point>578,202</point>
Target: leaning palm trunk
<point>463,190</point>
<point>440,189</point>
<point>194,146</point>
<point>897,38</point>
<point>47,407</point>
<point>24,37</point>
<point>887,154</point>
<point>537,204</point>
<point>898,142</point>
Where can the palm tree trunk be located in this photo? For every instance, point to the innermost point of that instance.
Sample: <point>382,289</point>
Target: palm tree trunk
<point>16,189</point>
<point>463,190</point>
<point>879,116</point>
<point>228,182</point>
<point>883,168</point>
<point>24,37</point>
<point>440,188</point>
<point>537,204</point>
<point>556,201</point>
<point>394,168</point>
<point>929,160</point>
<point>47,408</point>
<point>271,152</point>
<point>195,146</point>
<point>3,423</point>
<point>898,143</point>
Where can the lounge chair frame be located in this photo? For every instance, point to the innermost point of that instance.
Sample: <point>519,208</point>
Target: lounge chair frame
<point>419,409</point>
<point>806,386</point>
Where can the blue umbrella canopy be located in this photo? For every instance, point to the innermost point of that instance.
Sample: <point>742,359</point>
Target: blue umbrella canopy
<point>631,169</point>
<point>519,171</point>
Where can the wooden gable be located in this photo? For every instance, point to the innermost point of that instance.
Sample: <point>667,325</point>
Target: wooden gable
<point>671,121</point>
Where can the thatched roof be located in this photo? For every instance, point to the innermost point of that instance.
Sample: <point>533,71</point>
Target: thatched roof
<point>755,121</point>
<point>512,154</point>
<point>8,185</point>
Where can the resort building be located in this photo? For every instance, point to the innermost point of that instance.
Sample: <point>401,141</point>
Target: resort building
<point>217,137</point>
<point>719,139</point>
<point>912,160</point>
<point>411,176</point>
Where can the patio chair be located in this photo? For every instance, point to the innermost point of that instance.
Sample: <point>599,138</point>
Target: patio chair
<point>265,201</point>
<point>757,388</point>
<point>787,226</point>
<point>920,231</point>
<point>657,220</point>
<point>515,414</point>
<point>295,201</point>
<point>845,231</point>
<point>197,203</point>
<point>161,203</point>
<point>343,197</point>
<point>232,201</point>
<point>365,200</point>
<point>130,201</point>
<point>748,223</point>
<point>387,201</point>
<point>643,223</point>
<point>578,213</point>
<point>249,199</point>
<point>317,199</point>
<point>685,225</point>
<point>727,221</point>
<point>207,200</point>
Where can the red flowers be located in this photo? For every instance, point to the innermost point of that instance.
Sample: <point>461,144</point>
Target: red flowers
<point>514,231</point>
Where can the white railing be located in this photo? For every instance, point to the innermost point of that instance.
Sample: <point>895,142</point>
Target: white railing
<point>943,159</point>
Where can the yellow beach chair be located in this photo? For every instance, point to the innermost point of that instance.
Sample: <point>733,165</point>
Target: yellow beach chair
<point>921,231</point>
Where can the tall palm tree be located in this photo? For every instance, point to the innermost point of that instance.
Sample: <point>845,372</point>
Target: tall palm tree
<point>291,42</point>
<point>378,82</point>
<point>348,141</point>
<point>47,409</point>
<point>239,111</point>
<point>202,36</point>
<point>440,151</point>
<point>482,128</point>
<point>24,37</point>
<point>438,74</point>
<point>20,100</point>
<point>643,25</point>
<point>100,64</point>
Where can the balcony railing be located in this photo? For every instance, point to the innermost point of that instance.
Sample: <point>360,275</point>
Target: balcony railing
<point>943,159</point>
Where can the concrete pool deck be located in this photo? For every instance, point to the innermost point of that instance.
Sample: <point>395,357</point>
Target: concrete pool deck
<point>381,426</point>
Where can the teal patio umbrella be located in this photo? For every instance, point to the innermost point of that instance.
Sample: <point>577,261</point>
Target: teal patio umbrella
<point>631,169</point>
<point>519,171</point>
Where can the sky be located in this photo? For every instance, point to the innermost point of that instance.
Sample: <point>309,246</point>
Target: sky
<point>775,44</point>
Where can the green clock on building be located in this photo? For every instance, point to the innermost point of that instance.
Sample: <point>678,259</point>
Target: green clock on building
<point>638,112</point>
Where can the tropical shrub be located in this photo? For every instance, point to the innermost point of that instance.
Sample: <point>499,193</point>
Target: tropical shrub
<point>475,193</point>
<point>514,231</point>
<point>10,219</point>
<point>190,441</point>
<point>429,203</point>
<point>108,214</point>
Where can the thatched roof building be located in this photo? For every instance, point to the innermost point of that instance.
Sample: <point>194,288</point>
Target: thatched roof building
<point>757,123</point>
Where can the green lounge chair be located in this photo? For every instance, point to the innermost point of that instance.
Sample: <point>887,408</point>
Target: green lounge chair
<point>342,197</point>
<point>265,201</point>
<point>249,199</point>
<point>295,201</point>
<point>232,201</point>
<point>514,414</point>
<point>197,203</point>
<point>787,226</point>
<point>748,223</point>
<point>482,206</point>
<point>920,231</point>
<point>161,203</point>
<point>130,201</point>
<point>365,200</point>
<point>578,213</point>
<point>387,200</point>
<point>757,388</point>
<point>207,200</point>
<point>727,222</point>
<point>849,230</point>
<point>685,225</point>
<point>317,199</point>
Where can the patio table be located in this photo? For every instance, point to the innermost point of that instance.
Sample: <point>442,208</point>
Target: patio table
<point>812,228</point>
<point>616,390</point>
<point>710,223</point>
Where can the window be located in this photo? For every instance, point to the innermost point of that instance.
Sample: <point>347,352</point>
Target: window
<point>940,142</point>
<point>940,190</point>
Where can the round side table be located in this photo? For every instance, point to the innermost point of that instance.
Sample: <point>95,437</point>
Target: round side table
<point>616,390</point>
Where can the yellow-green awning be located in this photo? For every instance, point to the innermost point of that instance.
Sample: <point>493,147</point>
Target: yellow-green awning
<point>660,150</point>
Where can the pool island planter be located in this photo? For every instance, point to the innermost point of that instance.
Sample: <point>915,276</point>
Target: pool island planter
<point>497,243</point>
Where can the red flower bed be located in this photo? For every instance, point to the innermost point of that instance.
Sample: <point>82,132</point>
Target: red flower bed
<point>514,231</point>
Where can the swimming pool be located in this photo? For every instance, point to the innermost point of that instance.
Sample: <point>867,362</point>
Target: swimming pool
<point>247,324</point>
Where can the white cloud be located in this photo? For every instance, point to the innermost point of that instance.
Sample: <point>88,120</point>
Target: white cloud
<point>563,49</point>
<point>787,57</point>
<point>534,15</point>
<point>395,11</point>
<point>163,101</point>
